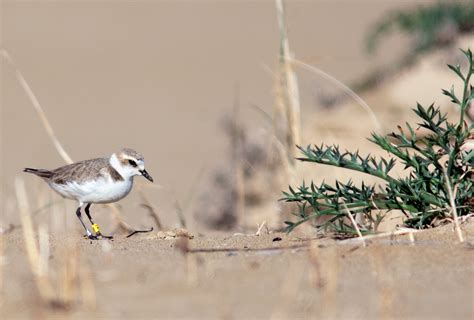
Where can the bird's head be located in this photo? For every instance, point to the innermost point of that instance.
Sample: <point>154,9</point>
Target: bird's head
<point>129,163</point>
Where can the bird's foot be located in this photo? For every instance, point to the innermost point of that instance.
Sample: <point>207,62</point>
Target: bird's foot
<point>97,237</point>
<point>90,237</point>
<point>101,236</point>
<point>98,234</point>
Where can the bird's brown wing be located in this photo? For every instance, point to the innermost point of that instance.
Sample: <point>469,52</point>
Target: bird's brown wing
<point>79,171</point>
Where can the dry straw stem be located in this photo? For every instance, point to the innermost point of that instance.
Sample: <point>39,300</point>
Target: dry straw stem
<point>146,203</point>
<point>192,270</point>
<point>77,280</point>
<point>122,225</point>
<point>354,223</point>
<point>182,244</point>
<point>69,276</point>
<point>330,275</point>
<point>238,162</point>
<point>42,282</point>
<point>381,235</point>
<point>38,108</point>
<point>262,229</point>
<point>280,122</point>
<point>289,291</point>
<point>290,83</point>
<point>2,263</point>
<point>180,210</point>
<point>411,237</point>
<point>314,255</point>
<point>346,89</point>
<point>44,249</point>
<point>88,292</point>
<point>384,283</point>
<point>276,146</point>
<point>180,213</point>
<point>453,207</point>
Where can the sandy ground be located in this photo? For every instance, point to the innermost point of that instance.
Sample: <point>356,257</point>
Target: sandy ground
<point>256,277</point>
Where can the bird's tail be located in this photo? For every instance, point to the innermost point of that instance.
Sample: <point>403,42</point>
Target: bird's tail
<point>39,172</point>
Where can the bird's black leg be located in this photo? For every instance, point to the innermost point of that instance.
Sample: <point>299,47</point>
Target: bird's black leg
<point>95,226</point>
<point>88,234</point>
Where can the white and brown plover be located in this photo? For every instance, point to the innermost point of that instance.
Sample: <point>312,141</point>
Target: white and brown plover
<point>101,180</point>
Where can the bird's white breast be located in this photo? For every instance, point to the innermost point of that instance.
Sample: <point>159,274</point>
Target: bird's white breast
<point>101,190</point>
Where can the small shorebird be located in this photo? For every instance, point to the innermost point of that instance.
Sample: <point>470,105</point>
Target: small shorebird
<point>101,180</point>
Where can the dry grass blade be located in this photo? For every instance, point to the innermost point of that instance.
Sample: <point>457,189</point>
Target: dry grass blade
<point>288,292</point>
<point>88,291</point>
<point>290,82</point>
<point>42,283</point>
<point>411,237</point>
<point>28,232</point>
<point>44,250</point>
<point>315,276</point>
<point>345,88</point>
<point>453,207</point>
<point>262,229</point>
<point>180,210</point>
<point>69,276</point>
<point>2,263</point>
<point>118,218</point>
<point>330,275</point>
<point>354,223</point>
<point>151,209</point>
<point>381,235</point>
<point>384,282</point>
<point>38,109</point>
<point>180,213</point>
<point>183,245</point>
<point>237,156</point>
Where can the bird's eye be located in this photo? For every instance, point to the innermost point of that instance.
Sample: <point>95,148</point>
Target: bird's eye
<point>132,163</point>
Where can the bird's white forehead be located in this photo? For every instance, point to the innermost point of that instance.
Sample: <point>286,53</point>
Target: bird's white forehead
<point>124,158</point>
<point>137,160</point>
<point>130,153</point>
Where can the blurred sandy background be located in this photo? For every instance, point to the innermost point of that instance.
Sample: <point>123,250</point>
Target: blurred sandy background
<point>158,76</point>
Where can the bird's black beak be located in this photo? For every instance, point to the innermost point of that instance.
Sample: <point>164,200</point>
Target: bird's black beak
<point>146,175</point>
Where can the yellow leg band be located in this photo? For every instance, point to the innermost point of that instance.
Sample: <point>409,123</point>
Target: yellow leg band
<point>95,227</point>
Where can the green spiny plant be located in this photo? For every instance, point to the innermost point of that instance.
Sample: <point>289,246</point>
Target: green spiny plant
<point>434,164</point>
<point>432,25</point>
